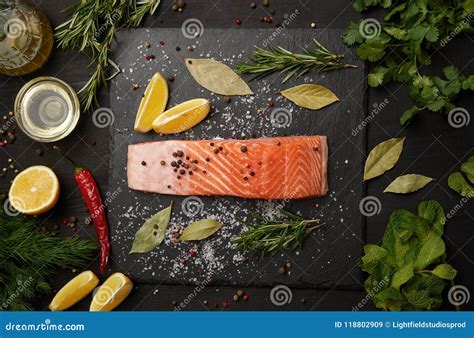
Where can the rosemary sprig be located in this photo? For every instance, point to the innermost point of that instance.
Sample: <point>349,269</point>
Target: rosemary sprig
<point>91,29</point>
<point>278,59</point>
<point>271,236</point>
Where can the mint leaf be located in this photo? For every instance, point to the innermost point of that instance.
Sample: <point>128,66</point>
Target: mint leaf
<point>444,271</point>
<point>373,255</point>
<point>419,298</point>
<point>458,183</point>
<point>432,249</point>
<point>468,169</point>
<point>434,214</point>
<point>402,276</point>
<point>389,299</point>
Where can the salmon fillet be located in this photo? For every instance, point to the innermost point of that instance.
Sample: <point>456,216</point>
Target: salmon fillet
<point>267,168</point>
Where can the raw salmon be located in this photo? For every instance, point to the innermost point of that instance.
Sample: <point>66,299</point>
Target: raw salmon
<point>266,168</point>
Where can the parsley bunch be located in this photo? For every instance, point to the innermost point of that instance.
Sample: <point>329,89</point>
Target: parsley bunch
<point>404,42</point>
<point>408,270</point>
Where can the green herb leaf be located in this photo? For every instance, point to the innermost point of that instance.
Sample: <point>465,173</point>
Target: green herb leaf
<point>408,183</point>
<point>433,213</point>
<point>310,96</point>
<point>152,232</point>
<point>378,76</point>
<point>217,77</point>
<point>402,276</point>
<point>373,255</point>
<point>468,169</point>
<point>432,249</point>
<point>458,183</point>
<point>399,269</point>
<point>445,271</point>
<point>200,230</point>
<point>383,157</point>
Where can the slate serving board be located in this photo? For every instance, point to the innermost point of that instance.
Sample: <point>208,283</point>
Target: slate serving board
<point>329,255</point>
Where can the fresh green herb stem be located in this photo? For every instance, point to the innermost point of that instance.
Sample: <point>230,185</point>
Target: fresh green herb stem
<point>271,236</point>
<point>277,59</point>
<point>91,29</point>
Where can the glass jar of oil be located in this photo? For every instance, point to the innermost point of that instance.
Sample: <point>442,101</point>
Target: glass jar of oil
<point>26,37</point>
<point>47,109</point>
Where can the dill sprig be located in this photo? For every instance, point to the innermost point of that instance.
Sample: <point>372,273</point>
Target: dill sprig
<point>91,29</point>
<point>277,59</point>
<point>29,257</point>
<point>267,236</point>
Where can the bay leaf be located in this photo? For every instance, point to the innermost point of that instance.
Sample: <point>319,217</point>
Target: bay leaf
<point>217,77</point>
<point>408,183</point>
<point>152,232</point>
<point>200,230</point>
<point>310,96</point>
<point>383,157</point>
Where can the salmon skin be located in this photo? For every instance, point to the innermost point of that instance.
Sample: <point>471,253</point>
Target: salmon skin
<point>267,168</point>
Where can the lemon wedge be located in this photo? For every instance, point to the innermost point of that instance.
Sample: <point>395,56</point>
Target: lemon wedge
<point>182,117</point>
<point>34,191</point>
<point>153,103</point>
<point>75,290</point>
<point>113,292</point>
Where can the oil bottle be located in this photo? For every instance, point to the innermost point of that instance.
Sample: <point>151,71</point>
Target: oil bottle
<point>26,37</point>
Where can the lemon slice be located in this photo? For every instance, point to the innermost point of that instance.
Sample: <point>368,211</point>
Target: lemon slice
<point>153,103</point>
<point>75,290</point>
<point>182,117</point>
<point>34,191</point>
<point>113,292</point>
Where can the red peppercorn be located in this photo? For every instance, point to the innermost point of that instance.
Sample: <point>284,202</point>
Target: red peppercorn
<point>245,297</point>
<point>193,253</point>
<point>238,22</point>
<point>162,42</point>
<point>270,103</point>
<point>225,305</point>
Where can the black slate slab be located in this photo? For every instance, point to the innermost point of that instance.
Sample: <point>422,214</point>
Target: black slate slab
<point>328,254</point>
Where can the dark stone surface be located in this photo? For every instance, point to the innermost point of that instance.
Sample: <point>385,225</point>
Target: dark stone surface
<point>328,253</point>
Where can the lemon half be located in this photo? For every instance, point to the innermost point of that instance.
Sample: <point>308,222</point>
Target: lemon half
<point>34,191</point>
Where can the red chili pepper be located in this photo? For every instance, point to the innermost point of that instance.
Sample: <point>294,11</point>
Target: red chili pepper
<point>91,196</point>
